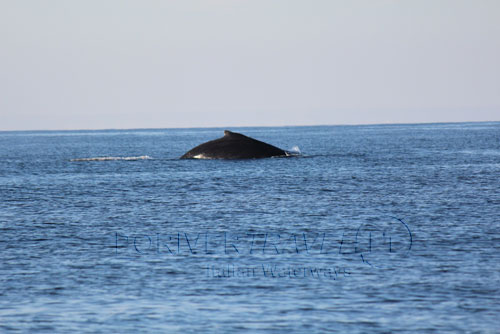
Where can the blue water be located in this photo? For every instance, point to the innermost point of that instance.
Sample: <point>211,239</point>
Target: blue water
<point>373,229</point>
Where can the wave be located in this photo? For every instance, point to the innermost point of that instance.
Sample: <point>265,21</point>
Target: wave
<point>142,157</point>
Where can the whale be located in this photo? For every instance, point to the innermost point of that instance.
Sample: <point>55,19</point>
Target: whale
<point>234,146</point>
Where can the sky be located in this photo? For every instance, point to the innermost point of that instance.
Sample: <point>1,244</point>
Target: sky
<point>112,64</point>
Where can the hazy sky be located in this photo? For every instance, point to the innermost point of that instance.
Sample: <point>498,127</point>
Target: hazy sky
<point>152,64</point>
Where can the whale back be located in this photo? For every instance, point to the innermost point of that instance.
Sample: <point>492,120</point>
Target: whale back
<point>233,146</point>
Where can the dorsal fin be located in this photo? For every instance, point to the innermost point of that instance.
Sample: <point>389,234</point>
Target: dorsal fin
<point>228,133</point>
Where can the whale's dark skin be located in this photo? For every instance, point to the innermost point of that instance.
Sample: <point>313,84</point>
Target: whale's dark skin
<point>234,146</point>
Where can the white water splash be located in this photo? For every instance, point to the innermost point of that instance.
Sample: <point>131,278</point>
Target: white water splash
<point>293,152</point>
<point>142,157</point>
<point>200,156</point>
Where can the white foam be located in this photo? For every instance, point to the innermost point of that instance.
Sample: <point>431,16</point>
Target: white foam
<point>295,151</point>
<point>200,156</point>
<point>142,157</point>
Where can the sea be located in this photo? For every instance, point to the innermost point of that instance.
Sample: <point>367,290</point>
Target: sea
<point>364,229</point>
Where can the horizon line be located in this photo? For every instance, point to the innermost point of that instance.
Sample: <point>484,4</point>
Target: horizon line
<point>246,126</point>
